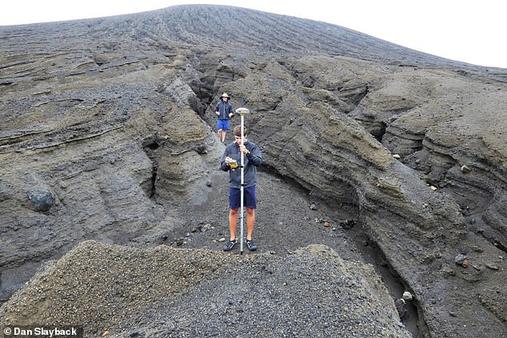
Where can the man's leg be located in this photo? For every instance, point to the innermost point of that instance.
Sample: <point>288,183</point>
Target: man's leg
<point>219,134</point>
<point>233,219</point>
<point>250,222</point>
<point>225,126</point>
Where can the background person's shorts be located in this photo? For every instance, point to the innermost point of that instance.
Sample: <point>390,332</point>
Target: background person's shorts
<point>223,124</point>
<point>250,200</point>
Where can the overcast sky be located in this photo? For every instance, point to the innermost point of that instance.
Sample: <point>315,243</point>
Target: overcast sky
<point>466,30</point>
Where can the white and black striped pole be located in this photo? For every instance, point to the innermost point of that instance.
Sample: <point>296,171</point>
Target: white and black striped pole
<point>242,112</point>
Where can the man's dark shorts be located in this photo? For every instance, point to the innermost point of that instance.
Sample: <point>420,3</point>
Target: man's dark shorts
<point>223,124</point>
<point>250,200</point>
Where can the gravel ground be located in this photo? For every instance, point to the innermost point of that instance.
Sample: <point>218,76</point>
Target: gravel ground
<point>95,284</point>
<point>159,292</point>
<point>285,219</point>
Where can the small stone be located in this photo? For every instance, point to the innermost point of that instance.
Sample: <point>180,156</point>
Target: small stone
<point>313,206</point>
<point>407,296</point>
<point>466,263</point>
<point>459,259</point>
<point>327,224</point>
<point>401,307</point>
<point>465,169</point>
<point>208,183</point>
<point>179,242</point>
<point>222,239</point>
<point>452,314</point>
<point>396,156</point>
<point>492,266</point>
<point>432,187</point>
<point>448,271</point>
<point>348,224</point>
<point>105,333</point>
<point>334,228</point>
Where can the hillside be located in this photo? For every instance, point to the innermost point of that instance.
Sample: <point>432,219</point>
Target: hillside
<point>107,133</point>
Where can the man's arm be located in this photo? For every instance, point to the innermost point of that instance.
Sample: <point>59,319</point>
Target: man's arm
<point>254,156</point>
<point>231,111</point>
<point>217,110</point>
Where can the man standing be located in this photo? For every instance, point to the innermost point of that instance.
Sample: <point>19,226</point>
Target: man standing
<point>230,161</point>
<point>224,113</point>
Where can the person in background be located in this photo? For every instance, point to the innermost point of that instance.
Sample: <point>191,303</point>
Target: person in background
<point>225,113</point>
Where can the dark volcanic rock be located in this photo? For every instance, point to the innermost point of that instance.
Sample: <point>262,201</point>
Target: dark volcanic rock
<point>112,116</point>
<point>40,199</point>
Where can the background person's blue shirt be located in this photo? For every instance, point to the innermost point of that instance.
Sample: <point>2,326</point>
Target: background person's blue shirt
<point>224,108</point>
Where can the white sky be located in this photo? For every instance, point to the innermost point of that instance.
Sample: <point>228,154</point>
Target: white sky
<point>466,30</point>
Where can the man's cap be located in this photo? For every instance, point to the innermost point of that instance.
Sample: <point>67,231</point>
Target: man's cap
<point>225,95</point>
